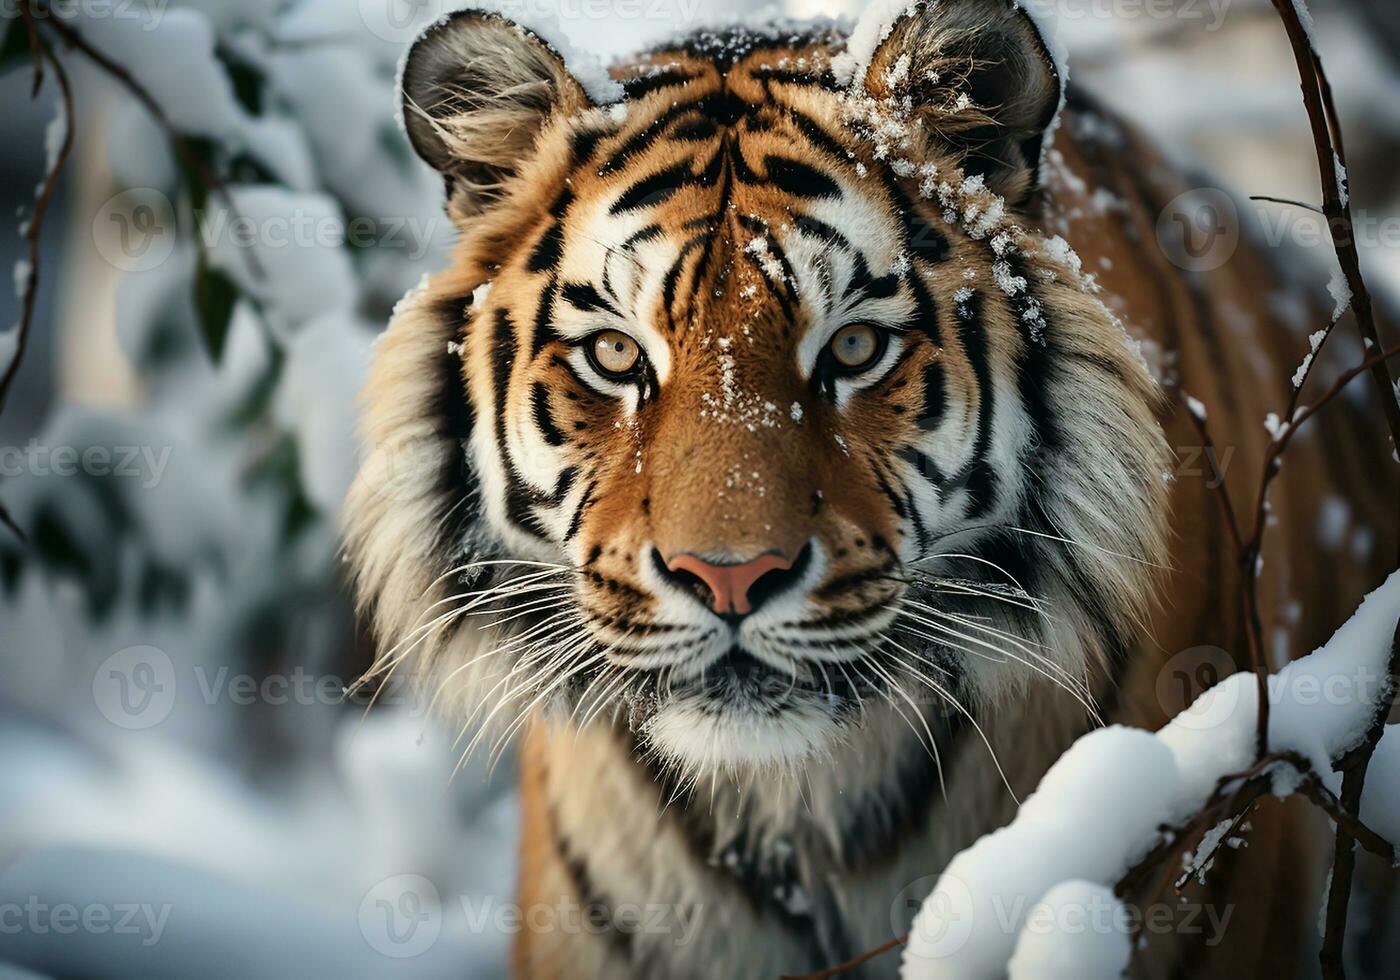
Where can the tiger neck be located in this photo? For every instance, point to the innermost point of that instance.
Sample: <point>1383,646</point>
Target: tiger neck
<point>800,851</point>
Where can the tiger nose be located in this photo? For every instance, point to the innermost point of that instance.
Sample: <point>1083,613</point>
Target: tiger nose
<point>730,585</point>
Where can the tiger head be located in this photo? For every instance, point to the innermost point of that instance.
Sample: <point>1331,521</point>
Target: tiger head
<point>752,403</point>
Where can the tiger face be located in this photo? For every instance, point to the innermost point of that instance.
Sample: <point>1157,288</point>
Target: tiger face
<point>751,393</point>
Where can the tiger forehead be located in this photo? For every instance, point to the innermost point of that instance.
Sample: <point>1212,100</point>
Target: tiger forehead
<point>681,108</point>
<point>712,170</point>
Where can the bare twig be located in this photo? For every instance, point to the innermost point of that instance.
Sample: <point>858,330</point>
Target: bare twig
<point>1247,552</point>
<point>849,965</point>
<point>33,232</point>
<point>1326,129</point>
<point>178,140</point>
<point>1285,200</point>
<point>1354,767</point>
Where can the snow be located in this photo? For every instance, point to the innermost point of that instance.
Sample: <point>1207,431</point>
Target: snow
<point>9,343</point>
<point>878,18</point>
<point>1196,407</point>
<point>1078,930</point>
<point>1079,824</point>
<point>296,243</point>
<point>539,21</point>
<point>55,133</point>
<point>171,54</point>
<point>1341,171</point>
<point>1380,804</point>
<point>22,270</point>
<point>874,25</point>
<point>1341,293</point>
<point>326,367</point>
<point>1098,809</point>
<point>1314,342</point>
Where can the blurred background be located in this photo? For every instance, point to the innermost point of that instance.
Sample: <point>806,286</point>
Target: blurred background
<point>179,766</point>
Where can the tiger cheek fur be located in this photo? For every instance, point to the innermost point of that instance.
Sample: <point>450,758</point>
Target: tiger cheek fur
<point>784,595</point>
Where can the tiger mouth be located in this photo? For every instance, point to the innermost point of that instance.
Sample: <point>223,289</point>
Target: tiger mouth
<point>739,679</point>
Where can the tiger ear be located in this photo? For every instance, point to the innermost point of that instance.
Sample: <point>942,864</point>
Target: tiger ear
<point>981,75</point>
<point>476,91</point>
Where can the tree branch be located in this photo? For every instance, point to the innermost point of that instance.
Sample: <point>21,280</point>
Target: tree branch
<point>849,965</point>
<point>34,231</point>
<point>1327,140</point>
<point>1354,767</point>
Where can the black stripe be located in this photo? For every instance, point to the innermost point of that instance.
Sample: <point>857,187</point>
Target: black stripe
<point>724,108</point>
<point>1036,368</point>
<point>818,135</point>
<point>653,189</point>
<point>646,234</point>
<point>551,244</point>
<point>888,491</point>
<point>820,229</point>
<point>582,144</point>
<point>922,237</point>
<point>585,298</point>
<point>671,283</point>
<point>924,465</point>
<point>640,86</point>
<point>517,495</point>
<point>455,415</point>
<point>694,131</point>
<point>977,477</point>
<point>798,179</point>
<point>935,396</point>
<point>824,79</point>
<point>576,521</point>
<point>539,398</point>
<point>595,906</point>
<point>545,333</point>
<point>786,291</point>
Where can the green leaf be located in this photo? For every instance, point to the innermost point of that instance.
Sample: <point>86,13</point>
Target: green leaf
<point>214,297</point>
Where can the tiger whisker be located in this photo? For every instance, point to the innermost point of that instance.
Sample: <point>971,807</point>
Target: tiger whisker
<point>948,696</point>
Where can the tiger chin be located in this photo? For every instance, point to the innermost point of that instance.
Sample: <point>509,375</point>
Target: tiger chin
<point>768,473</point>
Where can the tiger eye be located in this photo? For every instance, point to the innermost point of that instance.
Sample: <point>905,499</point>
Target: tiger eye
<point>855,346</point>
<point>615,353</point>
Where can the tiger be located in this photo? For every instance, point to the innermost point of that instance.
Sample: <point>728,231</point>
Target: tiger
<point>791,463</point>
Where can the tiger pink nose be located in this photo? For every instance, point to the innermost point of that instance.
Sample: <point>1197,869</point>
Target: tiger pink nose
<point>729,585</point>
